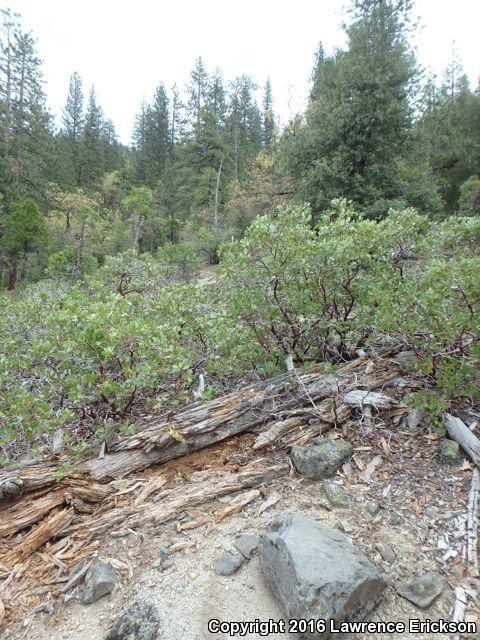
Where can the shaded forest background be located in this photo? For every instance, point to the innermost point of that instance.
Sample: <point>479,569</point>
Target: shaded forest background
<point>204,161</point>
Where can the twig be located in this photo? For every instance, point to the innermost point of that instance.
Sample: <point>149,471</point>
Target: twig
<point>459,608</point>
<point>472,525</point>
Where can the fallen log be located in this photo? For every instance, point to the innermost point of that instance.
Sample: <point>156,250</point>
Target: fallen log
<point>459,432</point>
<point>173,501</point>
<point>200,425</point>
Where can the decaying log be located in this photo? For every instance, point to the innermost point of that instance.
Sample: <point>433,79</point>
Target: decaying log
<point>201,425</point>
<point>459,432</point>
<point>277,430</point>
<point>374,399</point>
<point>23,513</point>
<point>173,501</point>
<point>472,525</point>
<point>46,530</point>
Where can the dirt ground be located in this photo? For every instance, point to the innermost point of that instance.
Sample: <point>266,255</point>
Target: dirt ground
<point>422,504</point>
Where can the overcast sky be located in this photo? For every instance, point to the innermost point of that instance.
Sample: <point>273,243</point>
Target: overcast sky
<point>125,48</point>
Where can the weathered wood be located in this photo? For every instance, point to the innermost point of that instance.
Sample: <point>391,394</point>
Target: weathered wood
<point>173,501</point>
<point>24,513</point>
<point>200,425</point>
<point>361,398</point>
<point>472,525</point>
<point>459,432</point>
<point>46,530</point>
<point>459,608</point>
<point>276,431</point>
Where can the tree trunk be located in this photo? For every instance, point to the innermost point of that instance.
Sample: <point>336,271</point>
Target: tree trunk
<point>12,275</point>
<point>217,187</point>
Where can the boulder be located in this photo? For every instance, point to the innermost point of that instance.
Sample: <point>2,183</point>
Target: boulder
<point>316,573</point>
<point>321,457</point>
<point>422,591</point>
<point>99,580</point>
<point>139,622</point>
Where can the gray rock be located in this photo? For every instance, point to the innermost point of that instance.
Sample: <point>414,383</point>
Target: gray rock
<point>450,452</point>
<point>321,457</point>
<point>336,494</point>
<point>316,572</point>
<point>386,551</point>
<point>139,622</point>
<point>99,580</point>
<point>423,590</point>
<point>247,544</point>
<point>228,563</point>
<point>373,507</point>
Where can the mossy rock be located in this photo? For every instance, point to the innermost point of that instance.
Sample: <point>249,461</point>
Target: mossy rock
<point>336,494</point>
<point>450,453</point>
<point>321,457</point>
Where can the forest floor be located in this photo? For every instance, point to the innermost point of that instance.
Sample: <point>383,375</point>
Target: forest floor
<point>421,518</point>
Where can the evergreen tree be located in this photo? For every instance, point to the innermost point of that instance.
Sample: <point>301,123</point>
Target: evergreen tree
<point>72,115</point>
<point>358,131</point>
<point>24,122</point>
<point>92,144</point>
<point>268,132</point>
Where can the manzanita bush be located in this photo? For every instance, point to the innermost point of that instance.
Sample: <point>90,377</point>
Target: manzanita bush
<point>125,339</point>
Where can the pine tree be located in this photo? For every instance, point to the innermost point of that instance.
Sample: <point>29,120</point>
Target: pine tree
<point>24,121</point>
<point>92,146</point>
<point>268,132</point>
<point>72,115</point>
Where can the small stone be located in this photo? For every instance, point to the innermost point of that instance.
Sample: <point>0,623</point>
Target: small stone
<point>386,551</point>
<point>167,563</point>
<point>247,544</point>
<point>394,519</point>
<point>450,452</point>
<point>163,551</point>
<point>336,494</point>
<point>432,512</point>
<point>321,457</point>
<point>228,563</point>
<point>99,580</point>
<point>157,563</point>
<point>423,590</point>
<point>373,507</point>
<point>139,622</point>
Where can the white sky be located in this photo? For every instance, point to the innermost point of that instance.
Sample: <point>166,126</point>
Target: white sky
<point>125,48</point>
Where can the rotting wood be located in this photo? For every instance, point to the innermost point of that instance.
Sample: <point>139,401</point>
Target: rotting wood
<point>176,500</point>
<point>46,530</point>
<point>201,425</point>
<point>459,432</point>
<point>459,608</point>
<point>472,525</point>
